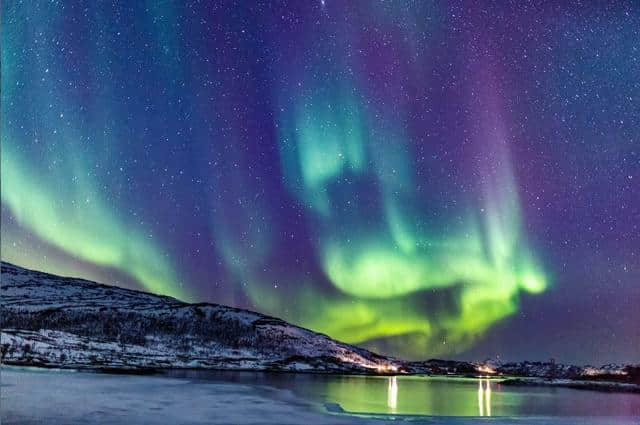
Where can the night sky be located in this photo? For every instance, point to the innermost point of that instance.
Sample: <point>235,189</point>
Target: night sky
<point>422,178</point>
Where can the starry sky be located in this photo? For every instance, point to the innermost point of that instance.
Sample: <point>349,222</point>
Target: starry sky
<point>457,179</point>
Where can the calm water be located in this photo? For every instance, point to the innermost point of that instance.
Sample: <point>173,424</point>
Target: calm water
<point>421,395</point>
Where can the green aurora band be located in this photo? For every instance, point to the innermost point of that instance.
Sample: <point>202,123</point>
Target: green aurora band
<point>398,288</point>
<point>63,202</point>
<point>90,232</point>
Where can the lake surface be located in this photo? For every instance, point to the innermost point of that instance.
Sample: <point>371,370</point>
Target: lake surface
<point>438,396</point>
<point>37,396</point>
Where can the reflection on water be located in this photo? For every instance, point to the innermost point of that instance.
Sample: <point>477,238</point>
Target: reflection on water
<point>484,397</point>
<point>487,397</point>
<point>439,396</point>
<point>480,399</point>
<point>392,394</point>
<point>415,395</point>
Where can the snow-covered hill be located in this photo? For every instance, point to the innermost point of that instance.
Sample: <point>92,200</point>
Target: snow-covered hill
<point>54,321</point>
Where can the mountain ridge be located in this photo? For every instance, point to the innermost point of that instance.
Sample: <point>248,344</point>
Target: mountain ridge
<point>55,321</point>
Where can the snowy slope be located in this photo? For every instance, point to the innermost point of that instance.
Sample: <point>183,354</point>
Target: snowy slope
<point>54,321</point>
<point>64,322</point>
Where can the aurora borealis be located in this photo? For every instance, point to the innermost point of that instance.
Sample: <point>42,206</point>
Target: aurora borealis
<point>421,178</point>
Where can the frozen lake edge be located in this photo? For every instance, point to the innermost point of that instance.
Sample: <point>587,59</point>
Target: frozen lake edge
<point>30,397</point>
